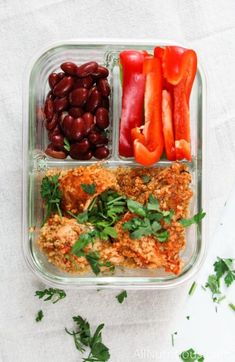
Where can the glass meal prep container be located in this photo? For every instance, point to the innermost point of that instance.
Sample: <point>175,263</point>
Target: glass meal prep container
<point>36,162</point>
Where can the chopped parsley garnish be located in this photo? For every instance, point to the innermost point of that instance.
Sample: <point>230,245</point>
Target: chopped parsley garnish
<point>51,294</point>
<point>191,356</point>
<point>145,179</point>
<point>173,339</point>
<point>39,316</point>
<point>120,297</point>
<point>84,339</point>
<point>89,188</point>
<point>196,219</point>
<point>188,317</point>
<point>223,269</point>
<point>52,195</point>
<point>66,145</point>
<point>193,288</point>
<point>147,221</point>
<point>93,259</point>
<point>103,212</point>
<point>232,306</point>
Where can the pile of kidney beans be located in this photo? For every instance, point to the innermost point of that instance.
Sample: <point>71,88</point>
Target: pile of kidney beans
<point>77,112</point>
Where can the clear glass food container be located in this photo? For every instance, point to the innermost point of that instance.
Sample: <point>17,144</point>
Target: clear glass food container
<point>36,162</point>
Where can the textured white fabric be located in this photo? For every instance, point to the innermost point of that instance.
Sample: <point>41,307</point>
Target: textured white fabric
<point>140,329</point>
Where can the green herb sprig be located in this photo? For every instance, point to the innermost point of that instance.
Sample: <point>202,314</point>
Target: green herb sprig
<point>196,219</point>
<point>223,269</point>
<point>51,294</point>
<point>191,356</point>
<point>121,296</point>
<point>84,339</point>
<point>39,316</point>
<point>52,195</point>
<point>147,221</point>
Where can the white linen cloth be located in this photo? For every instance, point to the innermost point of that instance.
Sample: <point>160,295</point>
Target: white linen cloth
<point>140,329</point>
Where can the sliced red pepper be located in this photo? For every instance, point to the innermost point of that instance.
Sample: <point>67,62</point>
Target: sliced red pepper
<point>181,123</point>
<point>132,98</point>
<point>167,122</point>
<point>144,156</point>
<point>178,64</point>
<point>150,151</point>
<point>179,69</point>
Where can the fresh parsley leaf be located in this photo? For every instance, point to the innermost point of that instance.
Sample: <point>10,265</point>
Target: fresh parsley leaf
<point>188,317</point>
<point>168,215</point>
<point>192,289</point>
<point>99,352</point>
<point>191,356</point>
<point>120,297</point>
<point>196,219</point>
<point>81,243</point>
<point>223,269</point>
<point>51,294</point>
<point>39,316</point>
<point>93,259</point>
<point>66,145</point>
<point>83,339</point>
<point>84,330</point>
<point>107,232</point>
<point>221,266</point>
<point>229,278</point>
<point>153,204</point>
<point>213,283</point>
<point>145,179</point>
<point>136,208</point>
<point>89,188</point>
<point>232,306</point>
<point>162,236</point>
<point>51,195</point>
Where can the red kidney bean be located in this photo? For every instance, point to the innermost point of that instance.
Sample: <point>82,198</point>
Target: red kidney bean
<point>63,87</point>
<point>61,75</point>
<point>101,72</point>
<point>93,101</point>
<point>53,132</point>
<point>78,156</point>
<point>103,87</point>
<point>66,125</point>
<point>53,79</point>
<point>102,117</point>
<point>50,95</point>
<point>77,130</point>
<point>85,82</point>
<point>86,69</point>
<point>80,147</point>
<point>60,104</point>
<point>53,152</point>
<point>52,123</point>
<point>49,108</point>
<point>105,102</point>
<point>78,97</point>
<point>97,139</point>
<point>69,68</point>
<point>101,152</point>
<point>76,112</point>
<point>58,141</point>
<point>89,121</point>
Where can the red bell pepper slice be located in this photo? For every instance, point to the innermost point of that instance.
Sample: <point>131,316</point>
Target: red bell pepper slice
<point>149,150</point>
<point>132,98</point>
<point>181,123</point>
<point>179,69</point>
<point>167,122</point>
